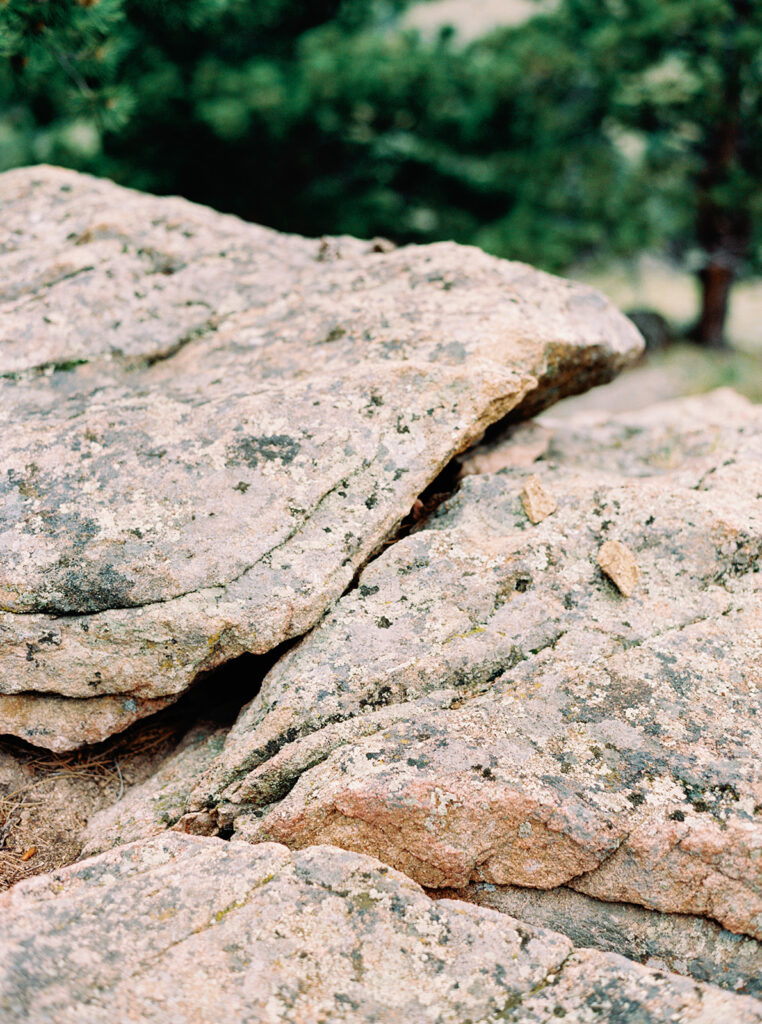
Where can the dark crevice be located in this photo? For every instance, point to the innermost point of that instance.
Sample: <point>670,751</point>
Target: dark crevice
<point>443,486</point>
<point>471,686</point>
<point>216,696</point>
<point>201,331</point>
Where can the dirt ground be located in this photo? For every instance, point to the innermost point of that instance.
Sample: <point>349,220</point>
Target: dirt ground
<point>47,799</point>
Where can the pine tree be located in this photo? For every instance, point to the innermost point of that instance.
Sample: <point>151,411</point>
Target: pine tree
<point>679,84</point>
<point>181,97</point>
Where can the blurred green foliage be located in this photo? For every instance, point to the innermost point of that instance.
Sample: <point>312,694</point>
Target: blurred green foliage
<point>603,127</point>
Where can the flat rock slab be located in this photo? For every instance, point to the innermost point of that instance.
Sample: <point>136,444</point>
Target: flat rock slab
<point>209,426</point>
<point>487,706</point>
<point>193,929</point>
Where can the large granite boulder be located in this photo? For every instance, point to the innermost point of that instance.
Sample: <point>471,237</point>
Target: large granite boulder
<point>208,427</point>
<point>193,929</point>
<point>488,706</point>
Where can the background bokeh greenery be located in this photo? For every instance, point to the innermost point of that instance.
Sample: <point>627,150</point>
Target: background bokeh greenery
<point>596,129</point>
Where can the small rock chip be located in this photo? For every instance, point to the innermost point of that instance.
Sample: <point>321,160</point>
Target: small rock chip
<point>619,564</point>
<point>538,502</point>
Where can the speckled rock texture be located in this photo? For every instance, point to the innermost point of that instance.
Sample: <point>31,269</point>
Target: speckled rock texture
<point>487,706</point>
<point>681,943</point>
<point>193,930</point>
<point>209,426</point>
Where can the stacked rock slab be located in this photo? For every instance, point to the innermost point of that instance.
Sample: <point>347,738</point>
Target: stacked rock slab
<point>678,942</point>
<point>208,427</point>
<point>486,706</point>
<point>194,929</point>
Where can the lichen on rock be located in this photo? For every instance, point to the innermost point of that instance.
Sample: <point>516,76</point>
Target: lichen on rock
<point>192,929</point>
<point>485,707</point>
<point>208,428</point>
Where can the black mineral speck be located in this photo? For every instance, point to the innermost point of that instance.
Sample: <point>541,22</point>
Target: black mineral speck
<point>252,450</point>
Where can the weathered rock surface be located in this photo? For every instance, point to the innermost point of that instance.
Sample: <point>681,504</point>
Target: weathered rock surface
<point>194,929</point>
<point>158,803</point>
<point>209,426</point>
<point>678,942</point>
<point>486,706</point>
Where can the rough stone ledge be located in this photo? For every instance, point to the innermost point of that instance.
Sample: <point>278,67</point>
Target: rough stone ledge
<point>193,930</point>
<point>487,706</point>
<point>678,942</point>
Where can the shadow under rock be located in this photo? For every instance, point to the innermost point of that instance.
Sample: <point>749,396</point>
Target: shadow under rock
<point>47,798</point>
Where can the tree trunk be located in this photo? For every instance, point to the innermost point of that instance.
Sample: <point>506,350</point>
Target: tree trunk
<point>723,229</point>
<point>716,280</point>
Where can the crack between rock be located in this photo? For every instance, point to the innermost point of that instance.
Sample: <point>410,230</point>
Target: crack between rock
<point>704,916</point>
<point>459,699</point>
<point>365,727</point>
<point>449,459</point>
<point>216,587</point>
<point>46,286</point>
<point>194,334</point>
<point>676,628</point>
<point>450,892</point>
<point>607,857</point>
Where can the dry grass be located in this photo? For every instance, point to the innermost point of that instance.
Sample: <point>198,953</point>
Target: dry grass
<point>46,799</point>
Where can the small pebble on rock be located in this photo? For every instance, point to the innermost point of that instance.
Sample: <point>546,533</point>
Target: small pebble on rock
<point>618,563</point>
<point>537,500</point>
